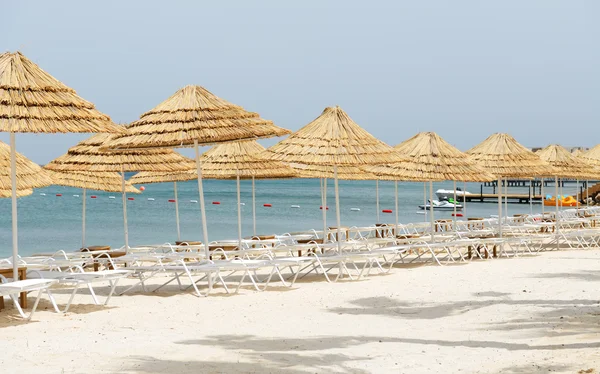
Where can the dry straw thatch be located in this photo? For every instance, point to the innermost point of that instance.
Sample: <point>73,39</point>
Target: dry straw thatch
<point>29,174</point>
<point>431,158</point>
<point>103,181</point>
<point>333,139</point>
<point>568,165</point>
<point>194,113</point>
<point>32,100</point>
<point>224,161</point>
<point>592,156</point>
<point>501,155</point>
<point>89,156</point>
<point>344,172</point>
<point>577,152</point>
<point>20,193</point>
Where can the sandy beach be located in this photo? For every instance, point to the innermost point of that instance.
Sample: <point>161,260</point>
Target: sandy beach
<point>525,315</point>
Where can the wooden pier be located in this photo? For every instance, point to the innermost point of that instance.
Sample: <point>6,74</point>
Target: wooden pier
<point>492,197</point>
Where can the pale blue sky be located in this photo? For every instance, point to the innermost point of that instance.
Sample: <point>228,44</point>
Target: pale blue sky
<point>464,69</point>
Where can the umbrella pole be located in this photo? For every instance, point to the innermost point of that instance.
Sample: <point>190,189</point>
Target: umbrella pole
<point>124,197</point>
<point>506,198</point>
<point>530,199</point>
<point>543,197</point>
<point>454,216</point>
<point>377,197</point>
<point>253,209</point>
<point>425,201</point>
<point>83,220</point>
<point>431,210</point>
<point>13,182</point>
<point>324,209</point>
<point>587,196</point>
<point>465,198</point>
<point>577,195</point>
<point>556,219</point>
<point>337,209</point>
<point>239,210</point>
<point>177,211</point>
<point>500,207</point>
<point>202,207</point>
<point>396,207</point>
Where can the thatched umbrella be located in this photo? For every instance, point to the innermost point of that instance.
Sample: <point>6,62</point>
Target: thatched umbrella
<point>432,159</point>
<point>33,101</point>
<point>567,165</point>
<point>333,139</point>
<point>233,160</point>
<point>578,153</point>
<point>99,181</point>
<point>501,155</point>
<point>88,156</point>
<point>323,173</point>
<point>29,174</point>
<point>194,116</point>
<point>20,193</point>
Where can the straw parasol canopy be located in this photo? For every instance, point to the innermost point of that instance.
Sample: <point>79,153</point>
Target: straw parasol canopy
<point>88,156</point>
<point>32,100</point>
<point>194,114</point>
<point>432,159</point>
<point>568,165</point>
<point>29,174</point>
<point>592,156</point>
<point>501,155</point>
<point>103,181</point>
<point>20,193</point>
<point>333,139</point>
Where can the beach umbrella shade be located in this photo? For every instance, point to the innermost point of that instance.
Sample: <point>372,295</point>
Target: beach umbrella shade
<point>89,156</point>
<point>578,153</point>
<point>98,181</point>
<point>33,101</point>
<point>501,155</point>
<point>20,193</point>
<point>333,139</point>
<point>232,160</point>
<point>432,159</point>
<point>194,116</point>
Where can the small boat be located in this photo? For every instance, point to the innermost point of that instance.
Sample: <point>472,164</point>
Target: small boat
<point>449,194</point>
<point>441,205</point>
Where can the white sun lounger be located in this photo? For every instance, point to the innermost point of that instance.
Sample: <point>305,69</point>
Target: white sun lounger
<point>13,289</point>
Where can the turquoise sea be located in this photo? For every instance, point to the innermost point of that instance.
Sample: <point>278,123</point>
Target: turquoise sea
<point>48,223</point>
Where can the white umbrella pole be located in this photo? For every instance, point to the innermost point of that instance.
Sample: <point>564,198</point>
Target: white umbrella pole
<point>425,201</point>
<point>202,207</point>
<point>587,196</point>
<point>556,218</point>
<point>506,198</point>
<point>337,209</point>
<point>377,197</point>
<point>253,208</point>
<point>543,196</point>
<point>465,198</point>
<point>13,182</point>
<point>83,220</point>
<point>499,207</point>
<point>124,196</point>
<point>177,211</point>
<point>239,210</point>
<point>577,195</point>
<point>431,210</point>
<point>396,207</point>
<point>531,192</point>
<point>324,210</point>
<point>454,216</point>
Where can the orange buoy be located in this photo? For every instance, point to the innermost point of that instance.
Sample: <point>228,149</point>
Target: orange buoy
<point>326,208</point>
<point>216,202</point>
<point>130,198</point>
<point>267,205</point>
<point>386,211</point>
<point>142,188</point>
<point>171,200</point>
<point>58,194</point>
<point>93,197</point>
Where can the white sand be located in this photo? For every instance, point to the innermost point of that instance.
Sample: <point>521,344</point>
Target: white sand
<point>525,315</point>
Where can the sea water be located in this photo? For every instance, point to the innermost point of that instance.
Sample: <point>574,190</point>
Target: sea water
<point>48,222</point>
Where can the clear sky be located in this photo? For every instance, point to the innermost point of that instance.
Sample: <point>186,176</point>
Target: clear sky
<point>462,68</point>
